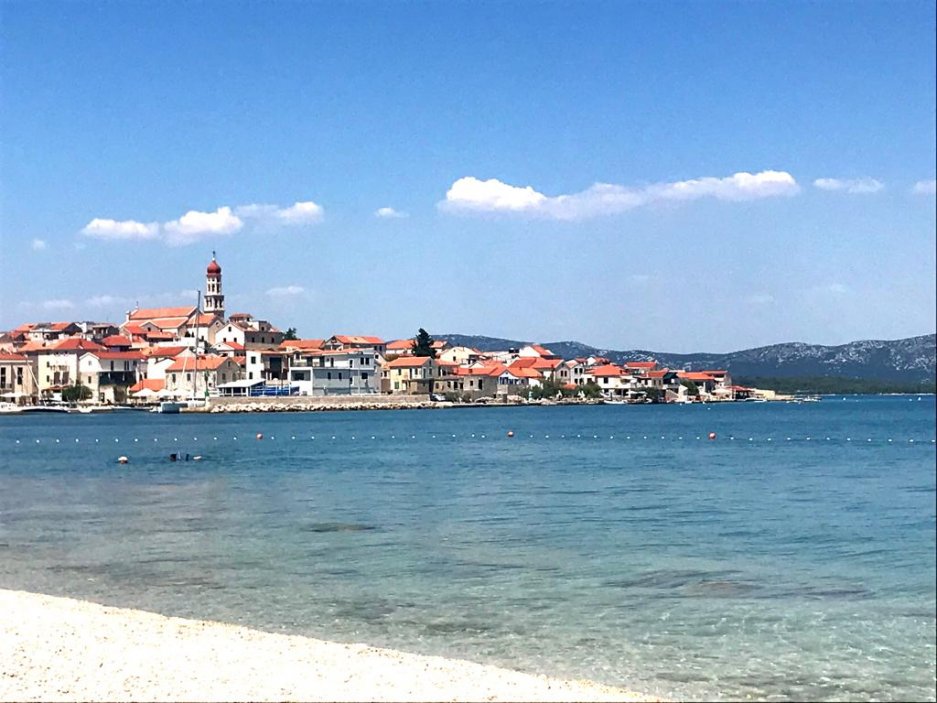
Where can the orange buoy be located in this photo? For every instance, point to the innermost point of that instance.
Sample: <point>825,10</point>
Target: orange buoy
<point>712,435</point>
<point>260,435</point>
<point>510,433</point>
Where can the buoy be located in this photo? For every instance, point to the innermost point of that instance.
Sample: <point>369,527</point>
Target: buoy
<point>712,435</point>
<point>122,460</point>
<point>260,435</point>
<point>510,433</point>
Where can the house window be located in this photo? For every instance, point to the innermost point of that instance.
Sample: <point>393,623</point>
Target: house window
<point>188,377</point>
<point>339,375</point>
<point>364,376</point>
<point>329,375</point>
<point>351,363</point>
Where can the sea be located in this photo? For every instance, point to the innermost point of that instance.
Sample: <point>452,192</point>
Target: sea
<point>792,557</point>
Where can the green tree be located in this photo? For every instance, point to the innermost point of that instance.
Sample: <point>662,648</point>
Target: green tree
<point>423,344</point>
<point>290,334</point>
<point>591,389</point>
<point>72,394</point>
<point>652,394</point>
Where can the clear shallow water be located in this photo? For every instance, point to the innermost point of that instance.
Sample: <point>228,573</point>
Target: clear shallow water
<point>613,544</point>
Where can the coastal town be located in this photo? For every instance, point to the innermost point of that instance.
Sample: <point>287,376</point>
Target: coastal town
<point>198,355</point>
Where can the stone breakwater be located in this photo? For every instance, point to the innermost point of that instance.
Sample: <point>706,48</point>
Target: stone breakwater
<point>313,404</point>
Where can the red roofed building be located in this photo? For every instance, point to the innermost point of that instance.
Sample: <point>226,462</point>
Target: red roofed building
<point>110,373</point>
<point>117,342</point>
<point>17,383</point>
<point>191,377</point>
<point>414,375</point>
<point>536,350</point>
<point>350,341</point>
<point>639,368</point>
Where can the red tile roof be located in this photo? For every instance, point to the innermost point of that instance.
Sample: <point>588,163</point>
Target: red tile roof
<point>154,384</point>
<point>32,347</point>
<point>168,323</point>
<point>524,372</point>
<point>9,356</point>
<point>400,345</point>
<point>607,370</point>
<point>302,343</point>
<point>407,362</point>
<point>203,363</point>
<point>155,313</point>
<point>77,344</point>
<point>164,352</point>
<point>640,364</point>
<point>542,351</point>
<point>116,340</point>
<point>695,376</point>
<point>357,339</point>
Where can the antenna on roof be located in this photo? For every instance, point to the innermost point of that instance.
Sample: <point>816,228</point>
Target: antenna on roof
<point>212,254</point>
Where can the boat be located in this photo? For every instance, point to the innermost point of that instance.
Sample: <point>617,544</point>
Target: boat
<point>168,406</point>
<point>44,409</point>
<point>86,409</point>
<point>8,408</point>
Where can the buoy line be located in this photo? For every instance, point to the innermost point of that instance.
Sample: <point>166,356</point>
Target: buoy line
<point>710,437</point>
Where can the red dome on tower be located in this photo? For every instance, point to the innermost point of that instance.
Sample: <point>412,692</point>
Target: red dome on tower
<point>213,267</point>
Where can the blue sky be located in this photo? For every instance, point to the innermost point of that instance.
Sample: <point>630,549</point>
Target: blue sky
<point>138,137</point>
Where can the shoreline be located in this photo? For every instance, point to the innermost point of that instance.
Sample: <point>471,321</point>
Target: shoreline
<point>63,649</point>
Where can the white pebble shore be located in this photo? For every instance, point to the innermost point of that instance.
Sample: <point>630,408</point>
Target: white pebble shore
<point>60,649</point>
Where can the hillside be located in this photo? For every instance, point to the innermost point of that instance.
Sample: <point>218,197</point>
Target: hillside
<point>902,360</point>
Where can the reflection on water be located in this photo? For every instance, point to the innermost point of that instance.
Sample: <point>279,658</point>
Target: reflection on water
<point>676,566</point>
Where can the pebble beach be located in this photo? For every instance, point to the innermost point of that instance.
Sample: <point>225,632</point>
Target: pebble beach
<point>60,649</point>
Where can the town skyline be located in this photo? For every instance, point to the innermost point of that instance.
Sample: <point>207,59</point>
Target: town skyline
<point>682,178</point>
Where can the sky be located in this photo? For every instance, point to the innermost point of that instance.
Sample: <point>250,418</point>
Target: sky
<point>677,176</point>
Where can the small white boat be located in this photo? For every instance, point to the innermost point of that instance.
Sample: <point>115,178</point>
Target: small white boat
<point>8,408</point>
<point>168,407</point>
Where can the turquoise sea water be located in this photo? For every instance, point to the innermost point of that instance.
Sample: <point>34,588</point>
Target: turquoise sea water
<point>614,543</point>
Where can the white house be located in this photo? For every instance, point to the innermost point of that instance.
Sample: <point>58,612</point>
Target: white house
<point>335,372</point>
<point>191,377</point>
<point>105,371</point>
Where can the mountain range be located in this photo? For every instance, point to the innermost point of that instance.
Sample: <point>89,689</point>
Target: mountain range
<point>913,359</point>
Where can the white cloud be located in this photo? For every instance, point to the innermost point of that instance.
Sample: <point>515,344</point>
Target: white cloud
<point>39,245</point>
<point>57,304</point>
<point>388,213</point>
<point>469,194</point>
<point>101,228</point>
<point>854,186</point>
<point>285,291</point>
<point>838,289</point>
<point>300,213</point>
<point>196,224</point>
<point>925,188</point>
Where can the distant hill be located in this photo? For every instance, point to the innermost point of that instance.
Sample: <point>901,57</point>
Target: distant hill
<point>902,360</point>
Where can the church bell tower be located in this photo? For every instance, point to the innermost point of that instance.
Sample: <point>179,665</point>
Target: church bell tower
<point>214,298</point>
